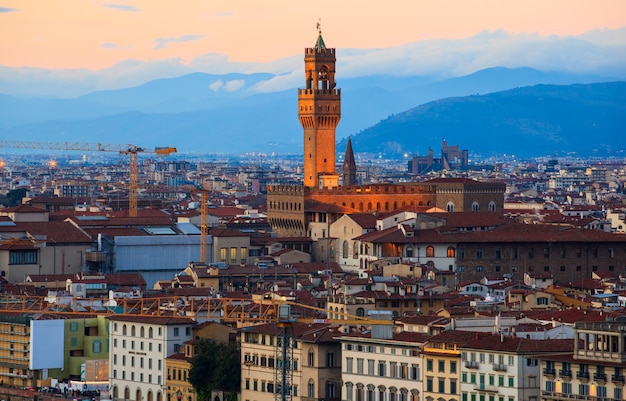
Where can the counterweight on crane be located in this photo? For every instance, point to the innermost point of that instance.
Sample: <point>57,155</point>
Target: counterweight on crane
<point>126,149</point>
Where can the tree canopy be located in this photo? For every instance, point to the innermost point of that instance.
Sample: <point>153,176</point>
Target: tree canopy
<point>216,366</point>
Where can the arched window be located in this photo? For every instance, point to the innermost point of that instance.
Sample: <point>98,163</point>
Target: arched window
<point>409,252</point>
<point>150,332</point>
<point>311,388</point>
<point>450,207</point>
<point>451,252</point>
<point>142,332</point>
<point>492,206</point>
<point>430,251</point>
<point>360,312</point>
<point>355,250</point>
<point>475,207</point>
<point>124,330</point>
<point>311,359</point>
<point>132,330</point>
<point>345,249</point>
<point>330,389</point>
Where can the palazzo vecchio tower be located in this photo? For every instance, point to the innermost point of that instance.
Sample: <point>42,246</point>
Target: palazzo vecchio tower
<point>296,210</point>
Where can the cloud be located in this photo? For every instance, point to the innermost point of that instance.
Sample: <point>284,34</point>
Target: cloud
<point>7,10</point>
<point>110,45</point>
<point>162,43</point>
<point>600,53</point>
<point>121,7</point>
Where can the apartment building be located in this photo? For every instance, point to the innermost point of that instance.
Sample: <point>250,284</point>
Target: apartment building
<point>495,367</point>
<point>379,365</point>
<point>442,364</point>
<point>594,370</point>
<point>311,359</point>
<point>139,346</point>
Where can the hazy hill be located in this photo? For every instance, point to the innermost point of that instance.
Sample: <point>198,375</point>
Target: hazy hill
<point>226,113</point>
<point>529,121</point>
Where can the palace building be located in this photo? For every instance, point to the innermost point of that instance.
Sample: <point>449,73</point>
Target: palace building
<point>293,208</point>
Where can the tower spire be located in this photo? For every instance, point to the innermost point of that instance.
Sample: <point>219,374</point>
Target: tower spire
<point>349,166</point>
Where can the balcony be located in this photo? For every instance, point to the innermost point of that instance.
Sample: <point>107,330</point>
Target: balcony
<point>549,371</point>
<point>565,373</point>
<point>483,387</point>
<point>582,375</point>
<point>599,377</point>
<point>617,379</point>
<point>471,364</point>
<point>548,395</point>
<point>499,367</point>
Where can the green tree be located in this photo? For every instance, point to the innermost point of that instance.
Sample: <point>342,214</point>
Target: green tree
<point>216,366</point>
<point>15,196</point>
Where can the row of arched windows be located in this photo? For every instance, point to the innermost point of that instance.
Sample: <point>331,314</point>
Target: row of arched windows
<point>408,251</point>
<point>133,331</point>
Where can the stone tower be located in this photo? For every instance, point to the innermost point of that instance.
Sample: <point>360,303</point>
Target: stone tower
<point>319,105</point>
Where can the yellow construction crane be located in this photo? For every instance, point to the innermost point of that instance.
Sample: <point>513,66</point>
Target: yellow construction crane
<point>126,149</point>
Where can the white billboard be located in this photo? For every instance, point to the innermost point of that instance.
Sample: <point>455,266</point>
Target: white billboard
<point>46,344</point>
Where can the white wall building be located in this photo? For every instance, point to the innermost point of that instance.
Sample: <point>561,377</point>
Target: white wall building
<point>138,348</point>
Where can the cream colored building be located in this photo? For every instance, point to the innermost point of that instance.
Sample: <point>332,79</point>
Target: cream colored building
<point>594,370</point>
<point>381,366</point>
<point>313,363</point>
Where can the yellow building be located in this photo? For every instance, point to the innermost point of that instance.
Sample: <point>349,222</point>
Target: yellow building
<point>442,365</point>
<point>178,365</point>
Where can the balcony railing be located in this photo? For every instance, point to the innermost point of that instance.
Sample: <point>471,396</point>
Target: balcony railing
<point>471,364</point>
<point>599,376</point>
<point>547,395</point>
<point>582,375</point>
<point>565,373</point>
<point>483,387</point>
<point>617,379</point>
<point>500,367</point>
<point>549,371</point>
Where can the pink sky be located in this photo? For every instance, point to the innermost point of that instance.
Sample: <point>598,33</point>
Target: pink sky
<point>93,34</point>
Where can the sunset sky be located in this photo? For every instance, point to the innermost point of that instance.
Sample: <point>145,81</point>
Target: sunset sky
<point>98,34</point>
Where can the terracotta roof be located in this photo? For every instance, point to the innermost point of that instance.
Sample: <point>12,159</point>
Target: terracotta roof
<point>159,320</point>
<point>498,343</point>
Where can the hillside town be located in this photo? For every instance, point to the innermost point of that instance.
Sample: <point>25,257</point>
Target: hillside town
<point>339,276</point>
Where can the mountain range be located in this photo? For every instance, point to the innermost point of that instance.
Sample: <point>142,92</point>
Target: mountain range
<point>498,110</point>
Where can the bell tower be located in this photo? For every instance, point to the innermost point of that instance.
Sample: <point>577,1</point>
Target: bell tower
<point>319,106</point>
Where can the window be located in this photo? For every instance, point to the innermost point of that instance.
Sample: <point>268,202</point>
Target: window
<point>452,366</point>
<point>311,388</point>
<point>429,384</point>
<point>222,254</point>
<point>73,326</point>
<point>450,252</point>
<point>430,251</point>
<point>97,346</point>
<point>349,365</point>
<point>23,257</point>
<point>370,367</point>
<point>511,381</point>
<point>359,366</point>
<point>452,386</point>
<point>311,358</point>
<point>442,385</point>
<point>344,253</point>
<point>429,365</point>
<point>330,359</point>
<point>243,256</point>
<point>475,207</point>
<point>233,254</point>
<point>176,331</point>
<point>441,366</point>
<point>479,253</point>
<point>415,372</point>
